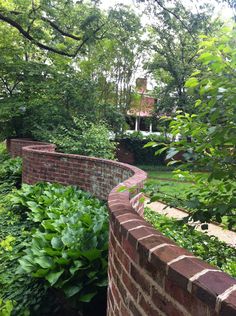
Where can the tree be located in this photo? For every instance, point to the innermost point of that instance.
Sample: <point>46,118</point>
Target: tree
<point>41,89</point>
<point>208,137</point>
<point>174,42</point>
<point>62,27</point>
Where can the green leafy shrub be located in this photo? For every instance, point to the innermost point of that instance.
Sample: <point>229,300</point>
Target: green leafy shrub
<point>69,247</point>
<point>10,171</point>
<point>3,153</point>
<point>208,248</point>
<point>6,307</point>
<point>135,143</point>
<point>23,290</point>
<point>208,136</point>
<point>10,174</point>
<point>84,138</point>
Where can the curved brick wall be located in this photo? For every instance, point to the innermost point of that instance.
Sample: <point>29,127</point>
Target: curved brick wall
<point>148,273</point>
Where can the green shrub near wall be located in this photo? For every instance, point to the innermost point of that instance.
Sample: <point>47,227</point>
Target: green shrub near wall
<point>146,156</point>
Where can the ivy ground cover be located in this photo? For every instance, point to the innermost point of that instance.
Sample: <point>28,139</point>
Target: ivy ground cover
<point>205,247</point>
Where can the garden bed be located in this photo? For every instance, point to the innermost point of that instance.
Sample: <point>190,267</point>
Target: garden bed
<point>53,247</point>
<point>208,248</point>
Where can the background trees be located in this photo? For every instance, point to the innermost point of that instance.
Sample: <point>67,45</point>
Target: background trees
<point>174,43</point>
<point>85,65</point>
<point>207,137</point>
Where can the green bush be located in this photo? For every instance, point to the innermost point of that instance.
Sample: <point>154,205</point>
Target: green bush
<point>135,143</point>
<point>208,248</point>
<point>70,244</point>
<point>3,153</point>
<point>10,171</point>
<point>22,290</point>
<point>84,138</point>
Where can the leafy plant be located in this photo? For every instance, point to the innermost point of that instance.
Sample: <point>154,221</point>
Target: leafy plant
<point>10,171</point>
<point>136,142</point>
<point>3,153</point>
<point>208,248</point>
<point>6,307</point>
<point>69,247</point>
<point>85,138</point>
<point>10,175</point>
<point>207,138</point>
<point>21,290</point>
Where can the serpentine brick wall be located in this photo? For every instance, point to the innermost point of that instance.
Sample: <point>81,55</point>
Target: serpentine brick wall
<point>148,273</point>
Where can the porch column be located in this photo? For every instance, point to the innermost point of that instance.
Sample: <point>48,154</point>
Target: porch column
<point>136,123</point>
<point>150,127</point>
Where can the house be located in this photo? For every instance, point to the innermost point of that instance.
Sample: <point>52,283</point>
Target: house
<point>142,110</point>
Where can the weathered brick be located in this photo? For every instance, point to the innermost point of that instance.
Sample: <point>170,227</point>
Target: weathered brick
<point>130,284</point>
<point>140,278</point>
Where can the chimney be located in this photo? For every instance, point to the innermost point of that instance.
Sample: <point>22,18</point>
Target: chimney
<point>141,84</point>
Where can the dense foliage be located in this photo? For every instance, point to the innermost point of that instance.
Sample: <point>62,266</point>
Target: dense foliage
<point>10,171</point>
<point>69,246</point>
<point>54,242</point>
<point>174,38</point>
<point>135,144</point>
<point>83,137</point>
<point>208,137</point>
<point>53,246</point>
<point>46,88</point>
<point>208,248</point>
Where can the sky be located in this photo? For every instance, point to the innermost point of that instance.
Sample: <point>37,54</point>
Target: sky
<point>222,10</point>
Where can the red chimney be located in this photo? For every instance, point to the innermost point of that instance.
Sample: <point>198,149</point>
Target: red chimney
<point>141,84</point>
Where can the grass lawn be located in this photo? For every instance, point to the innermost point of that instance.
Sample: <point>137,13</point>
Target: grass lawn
<point>167,184</point>
<point>165,180</point>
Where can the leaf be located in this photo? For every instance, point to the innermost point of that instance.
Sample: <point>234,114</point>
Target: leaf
<point>171,153</point>
<point>40,273</point>
<point>92,254</point>
<point>170,163</point>
<point>72,290</point>
<point>87,297</point>
<point>57,243</point>
<point>53,277</point>
<point>27,264</point>
<point>192,82</point>
<point>150,144</point>
<point>197,103</point>
<point>44,262</point>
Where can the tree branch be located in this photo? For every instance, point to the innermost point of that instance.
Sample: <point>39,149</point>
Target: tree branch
<point>57,28</point>
<point>176,16</point>
<point>28,36</point>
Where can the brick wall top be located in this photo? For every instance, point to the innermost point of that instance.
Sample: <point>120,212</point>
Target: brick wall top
<point>148,273</point>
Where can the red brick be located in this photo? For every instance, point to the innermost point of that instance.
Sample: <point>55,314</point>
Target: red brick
<point>130,250</point>
<point>164,305</point>
<point>140,278</point>
<point>149,309</point>
<point>228,306</point>
<point>130,285</point>
<point>181,271</point>
<point>124,311</point>
<point>212,284</point>
<point>134,310</point>
<point>191,303</point>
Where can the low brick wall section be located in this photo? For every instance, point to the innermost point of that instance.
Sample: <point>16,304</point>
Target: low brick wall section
<point>148,273</point>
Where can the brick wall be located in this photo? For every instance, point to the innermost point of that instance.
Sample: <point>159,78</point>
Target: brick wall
<point>148,273</point>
